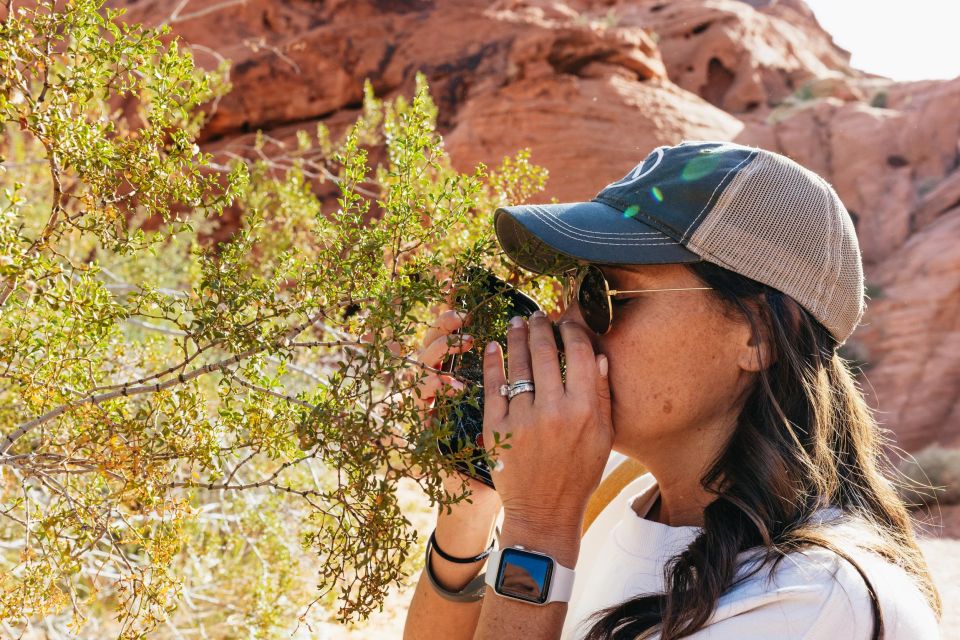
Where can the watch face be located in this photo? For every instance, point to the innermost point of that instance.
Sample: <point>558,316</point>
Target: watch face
<point>524,575</point>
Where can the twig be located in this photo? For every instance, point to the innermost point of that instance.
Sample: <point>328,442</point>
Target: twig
<point>125,391</point>
<point>56,209</point>
<point>175,17</point>
<point>275,394</point>
<point>157,328</point>
<point>262,43</point>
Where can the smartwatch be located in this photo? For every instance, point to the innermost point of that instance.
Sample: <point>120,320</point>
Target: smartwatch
<point>529,576</point>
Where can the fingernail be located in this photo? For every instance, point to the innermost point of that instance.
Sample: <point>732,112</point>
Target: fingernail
<point>466,337</point>
<point>538,314</point>
<point>516,322</point>
<point>491,346</point>
<point>602,364</point>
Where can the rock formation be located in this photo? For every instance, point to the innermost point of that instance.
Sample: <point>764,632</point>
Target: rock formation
<point>592,85</point>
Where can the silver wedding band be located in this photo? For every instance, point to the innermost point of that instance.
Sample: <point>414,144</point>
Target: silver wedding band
<point>516,388</point>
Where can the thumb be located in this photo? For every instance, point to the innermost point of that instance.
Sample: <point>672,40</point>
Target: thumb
<point>603,389</point>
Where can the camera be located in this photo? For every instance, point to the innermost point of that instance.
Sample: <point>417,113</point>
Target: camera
<point>491,302</point>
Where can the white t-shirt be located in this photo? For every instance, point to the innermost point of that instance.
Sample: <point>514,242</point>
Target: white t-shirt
<point>811,595</point>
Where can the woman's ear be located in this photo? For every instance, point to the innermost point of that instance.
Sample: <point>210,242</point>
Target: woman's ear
<point>755,346</point>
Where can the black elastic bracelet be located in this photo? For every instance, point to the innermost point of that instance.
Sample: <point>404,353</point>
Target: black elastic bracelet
<point>473,591</point>
<point>446,556</point>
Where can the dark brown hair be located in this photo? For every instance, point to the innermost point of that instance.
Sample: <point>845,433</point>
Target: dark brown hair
<point>805,439</point>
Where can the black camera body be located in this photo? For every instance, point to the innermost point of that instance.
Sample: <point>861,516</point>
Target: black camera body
<point>467,415</point>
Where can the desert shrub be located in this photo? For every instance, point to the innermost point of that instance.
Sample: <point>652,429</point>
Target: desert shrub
<point>879,100</point>
<point>200,436</point>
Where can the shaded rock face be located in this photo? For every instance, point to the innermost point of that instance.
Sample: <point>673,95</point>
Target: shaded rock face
<point>591,86</point>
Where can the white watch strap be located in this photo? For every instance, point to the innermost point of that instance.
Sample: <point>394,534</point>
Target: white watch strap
<point>561,581</point>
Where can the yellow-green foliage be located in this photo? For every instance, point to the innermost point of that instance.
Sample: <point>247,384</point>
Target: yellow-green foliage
<point>197,435</point>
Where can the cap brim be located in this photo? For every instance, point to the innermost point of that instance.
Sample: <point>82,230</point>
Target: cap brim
<point>550,238</point>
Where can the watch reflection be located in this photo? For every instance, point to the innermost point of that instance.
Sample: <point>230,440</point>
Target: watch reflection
<point>519,581</point>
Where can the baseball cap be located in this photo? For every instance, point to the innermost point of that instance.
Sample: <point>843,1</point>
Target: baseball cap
<point>749,210</point>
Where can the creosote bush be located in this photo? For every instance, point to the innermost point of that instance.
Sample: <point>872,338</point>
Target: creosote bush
<point>211,436</point>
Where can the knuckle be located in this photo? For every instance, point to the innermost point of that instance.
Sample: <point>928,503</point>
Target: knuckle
<point>582,351</point>
<point>552,414</point>
<point>543,349</point>
<point>575,414</point>
<point>582,412</point>
<point>575,341</point>
<point>519,369</point>
<point>448,320</point>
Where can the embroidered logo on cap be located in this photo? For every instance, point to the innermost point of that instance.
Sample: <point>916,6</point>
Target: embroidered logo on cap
<point>639,171</point>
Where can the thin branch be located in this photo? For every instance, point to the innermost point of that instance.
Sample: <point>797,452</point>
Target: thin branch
<point>175,16</point>
<point>129,288</point>
<point>261,43</point>
<point>229,478</point>
<point>126,391</point>
<point>23,461</point>
<point>275,394</point>
<point>176,13</point>
<point>310,373</point>
<point>182,365</point>
<point>155,327</point>
<point>56,208</point>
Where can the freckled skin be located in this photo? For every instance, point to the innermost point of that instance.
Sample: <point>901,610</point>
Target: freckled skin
<point>677,364</point>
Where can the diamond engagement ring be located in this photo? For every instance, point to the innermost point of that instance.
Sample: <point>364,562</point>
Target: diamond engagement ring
<point>516,388</point>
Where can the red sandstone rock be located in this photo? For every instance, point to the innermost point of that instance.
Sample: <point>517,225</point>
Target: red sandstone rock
<point>911,336</point>
<point>885,162</point>
<point>734,55</point>
<point>592,85</point>
<point>624,120</point>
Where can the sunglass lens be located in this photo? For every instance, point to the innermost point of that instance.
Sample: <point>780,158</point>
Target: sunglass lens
<point>593,300</point>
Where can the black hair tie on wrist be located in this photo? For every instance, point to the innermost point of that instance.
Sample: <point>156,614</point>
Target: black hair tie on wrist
<point>446,556</point>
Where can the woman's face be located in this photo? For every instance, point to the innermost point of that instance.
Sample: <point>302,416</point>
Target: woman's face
<point>676,362</point>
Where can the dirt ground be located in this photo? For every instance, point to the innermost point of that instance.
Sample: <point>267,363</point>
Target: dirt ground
<point>940,544</point>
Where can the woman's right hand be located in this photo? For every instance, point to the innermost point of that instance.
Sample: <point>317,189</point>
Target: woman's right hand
<point>439,342</point>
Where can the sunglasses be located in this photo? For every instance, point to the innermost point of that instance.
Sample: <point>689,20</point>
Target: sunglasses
<point>588,286</point>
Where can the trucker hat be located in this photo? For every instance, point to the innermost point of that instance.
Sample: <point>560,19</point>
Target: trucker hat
<point>746,209</point>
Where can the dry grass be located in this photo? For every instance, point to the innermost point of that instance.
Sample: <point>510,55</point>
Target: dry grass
<point>932,476</point>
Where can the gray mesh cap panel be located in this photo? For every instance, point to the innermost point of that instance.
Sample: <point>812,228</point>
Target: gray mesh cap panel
<point>781,224</point>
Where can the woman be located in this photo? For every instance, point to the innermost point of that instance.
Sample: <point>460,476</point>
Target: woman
<point>707,294</point>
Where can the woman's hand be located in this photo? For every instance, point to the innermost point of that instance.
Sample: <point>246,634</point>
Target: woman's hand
<point>439,342</point>
<point>561,434</point>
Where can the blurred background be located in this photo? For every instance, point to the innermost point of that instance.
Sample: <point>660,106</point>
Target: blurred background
<point>864,93</point>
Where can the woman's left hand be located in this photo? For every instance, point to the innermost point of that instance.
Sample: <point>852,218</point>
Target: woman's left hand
<point>561,434</point>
